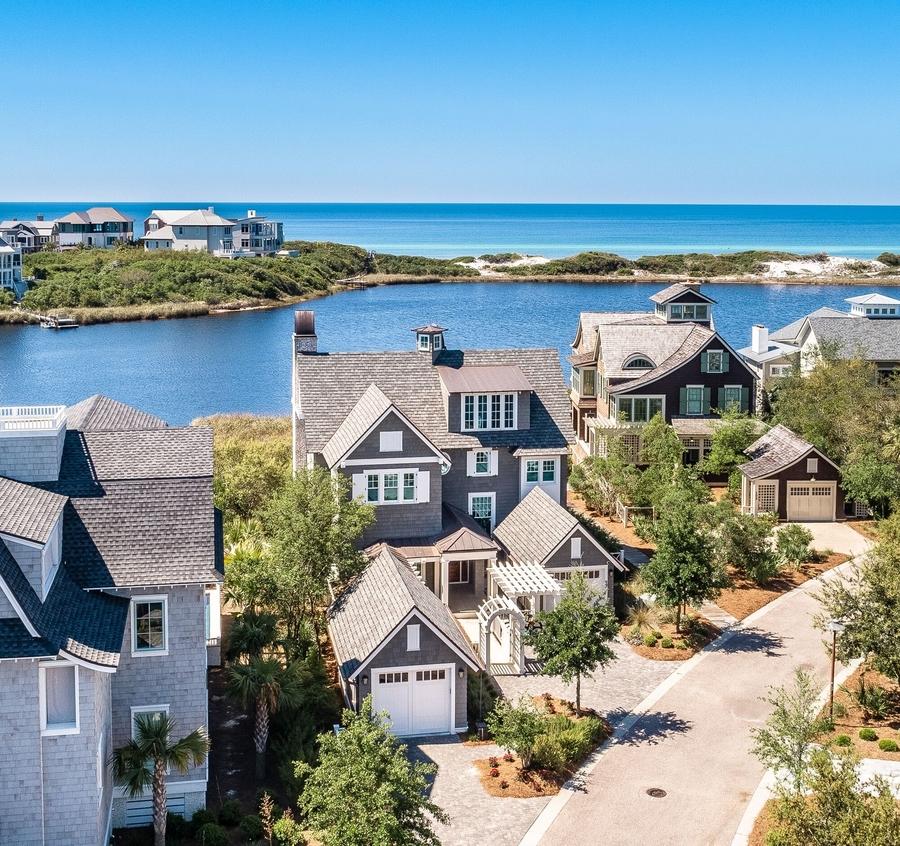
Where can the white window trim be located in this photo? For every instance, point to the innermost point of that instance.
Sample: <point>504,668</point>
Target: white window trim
<point>722,361</point>
<point>629,362</point>
<point>390,441</point>
<point>682,305</point>
<point>51,731</point>
<point>472,462</point>
<point>489,428</point>
<point>413,637</point>
<point>387,472</point>
<point>647,397</point>
<point>740,394</point>
<point>146,709</point>
<point>141,653</point>
<point>687,400</point>
<point>493,497</point>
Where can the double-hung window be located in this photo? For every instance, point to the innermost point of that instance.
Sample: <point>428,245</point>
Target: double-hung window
<point>390,486</point>
<point>488,411</point>
<point>532,470</point>
<point>715,361</point>
<point>482,462</point>
<point>548,470</point>
<point>732,394</point>
<point>481,507</point>
<point>149,625</point>
<point>695,399</point>
<point>409,487</point>
<point>59,698</point>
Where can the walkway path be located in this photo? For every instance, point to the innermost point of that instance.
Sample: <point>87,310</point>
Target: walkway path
<point>694,741</point>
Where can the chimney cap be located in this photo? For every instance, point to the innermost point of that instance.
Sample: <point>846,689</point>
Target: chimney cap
<point>304,322</point>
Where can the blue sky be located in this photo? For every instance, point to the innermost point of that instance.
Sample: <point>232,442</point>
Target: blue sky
<point>722,101</point>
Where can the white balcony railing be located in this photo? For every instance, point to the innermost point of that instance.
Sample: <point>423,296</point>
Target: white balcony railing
<point>19,418</point>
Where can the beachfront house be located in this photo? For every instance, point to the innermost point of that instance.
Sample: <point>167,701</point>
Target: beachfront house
<point>29,235</point>
<point>869,328</point>
<point>204,230</point>
<point>447,445</point>
<point>629,366</point>
<point>101,226</point>
<point>110,577</point>
<point>11,269</point>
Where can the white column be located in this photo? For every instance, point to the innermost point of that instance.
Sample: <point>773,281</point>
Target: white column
<point>445,581</point>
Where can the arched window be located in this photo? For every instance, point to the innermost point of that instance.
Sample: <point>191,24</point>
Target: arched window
<point>638,362</point>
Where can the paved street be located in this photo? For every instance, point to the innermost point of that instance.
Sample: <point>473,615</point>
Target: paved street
<point>694,741</point>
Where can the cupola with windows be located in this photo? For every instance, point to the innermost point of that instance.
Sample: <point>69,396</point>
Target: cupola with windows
<point>430,338</point>
<point>683,302</point>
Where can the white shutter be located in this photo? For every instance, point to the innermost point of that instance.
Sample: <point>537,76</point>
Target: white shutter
<point>470,463</point>
<point>423,486</point>
<point>576,548</point>
<point>359,485</point>
<point>494,456</point>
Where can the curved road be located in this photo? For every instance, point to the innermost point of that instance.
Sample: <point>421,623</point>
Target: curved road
<point>694,742</point>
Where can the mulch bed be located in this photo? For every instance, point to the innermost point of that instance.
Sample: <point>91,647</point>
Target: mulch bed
<point>764,822</point>
<point>746,596</point>
<point>623,534</point>
<point>511,781</point>
<point>850,725</point>
<point>867,528</point>
<point>702,633</point>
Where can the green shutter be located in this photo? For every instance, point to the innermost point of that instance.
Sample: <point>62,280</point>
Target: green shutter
<point>720,404</point>
<point>706,398</point>
<point>704,362</point>
<point>745,399</point>
<point>682,401</point>
<point>724,362</point>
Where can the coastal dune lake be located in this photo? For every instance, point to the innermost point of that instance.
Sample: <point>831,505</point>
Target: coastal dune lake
<point>182,369</point>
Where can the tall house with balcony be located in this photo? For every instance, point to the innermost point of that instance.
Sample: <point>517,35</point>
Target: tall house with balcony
<point>29,235</point>
<point>629,366</point>
<point>101,226</point>
<point>257,234</point>
<point>11,269</point>
<point>206,231</point>
<point>110,577</point>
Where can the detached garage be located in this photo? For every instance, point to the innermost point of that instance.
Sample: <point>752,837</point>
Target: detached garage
<point>789,477</point>
<point>396,641</point>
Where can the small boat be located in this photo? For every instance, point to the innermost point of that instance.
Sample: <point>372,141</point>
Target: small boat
<point>48,322</point>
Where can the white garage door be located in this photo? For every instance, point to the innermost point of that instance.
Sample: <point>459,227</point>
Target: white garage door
<point>811,501</point>
<point>418,699</point>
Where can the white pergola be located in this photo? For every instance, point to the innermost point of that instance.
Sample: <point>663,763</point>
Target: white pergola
<point>523,580</point>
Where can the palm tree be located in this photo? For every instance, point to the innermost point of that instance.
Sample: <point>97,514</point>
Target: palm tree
<point>143,762</point>
<point>269,685</point>
<point>252,633</point>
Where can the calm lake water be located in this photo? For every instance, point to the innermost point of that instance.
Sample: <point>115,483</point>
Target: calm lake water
<point>442,229</point>
<point>181,369</point>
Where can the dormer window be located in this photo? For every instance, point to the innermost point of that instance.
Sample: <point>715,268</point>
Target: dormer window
<point>482,412</point>
<point>689,311</point>
<point>638,362</point>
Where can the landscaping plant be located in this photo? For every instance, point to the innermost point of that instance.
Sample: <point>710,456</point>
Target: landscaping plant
<point>792,543</point>
<point>516,727</point>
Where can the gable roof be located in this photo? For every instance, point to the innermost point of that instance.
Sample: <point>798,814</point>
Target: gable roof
<point>790,332</point>
<point>412,383</point>
<point>28,512</point>
<point>676,290</point>
<point>656,341</point>
<point>589,321</point>
<point>778,449</point>
<point>875,340</point>
<point>368,611</point>
<point>536,527</point>
<point>99,413</point>
<point>164,233</point>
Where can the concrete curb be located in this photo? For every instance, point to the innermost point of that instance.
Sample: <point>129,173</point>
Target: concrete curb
<point>554,807</point>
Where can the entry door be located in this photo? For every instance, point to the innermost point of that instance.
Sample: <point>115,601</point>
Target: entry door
<point>810,501</point>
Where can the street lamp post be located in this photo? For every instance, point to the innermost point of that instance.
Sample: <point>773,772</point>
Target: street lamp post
<point>836,627</point>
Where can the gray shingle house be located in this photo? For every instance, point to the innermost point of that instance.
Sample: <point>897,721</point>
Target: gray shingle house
<point>110,575</point>
<point>446,444</point>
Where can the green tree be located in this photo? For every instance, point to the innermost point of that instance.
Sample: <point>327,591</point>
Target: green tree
<point>730,438</point>
<point>661,453</point>
<point>836,808</point>
<point>252,633</point>
<point>684,569</point>
<point>573,639</point>
<point>517,727</point>
<point>141,764</point>
<point>871,477</point>
<point>868,603</point>
<point>786,743</point>
<point>268,685</point>
<point>312,525</point>
<point>365,790</point>
<point>743,540</point>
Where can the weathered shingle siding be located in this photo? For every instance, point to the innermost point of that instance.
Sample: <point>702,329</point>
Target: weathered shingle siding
<point>29,560</point>
<point>413,446</point>
<point>20,762</point>
<point>31,458</point>
<point>590,555</point>
<point>458,485</point>
<point>797,472</point>
<point>177,679</point>
<point>432,650</point>
<point>417,519</point>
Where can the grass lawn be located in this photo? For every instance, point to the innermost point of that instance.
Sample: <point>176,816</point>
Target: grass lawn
<point>746,596</point>
<point>850,724</point>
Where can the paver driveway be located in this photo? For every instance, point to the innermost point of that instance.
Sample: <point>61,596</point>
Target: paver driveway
<point>694,742</point>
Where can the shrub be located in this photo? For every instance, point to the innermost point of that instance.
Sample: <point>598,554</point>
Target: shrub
<point>680,644</point>
<point>201,818</point>
<point>666,643</point>
<point>251,827</point>
<point>494,772</point>
<point>287,831</point>
<point>508,757</point>
<point>793,545</point>
<point>650,640</point>
<point>874,701</point>
<point>504,784</point>
<point>843,740</point>
<point>212,834</point>
<point>230,813</point>
<point>840,710</point>
<point>177,828</point>
<point>566,742</point>
<point>867,734</point>
<point>888,745</point>
<point>890,259</point>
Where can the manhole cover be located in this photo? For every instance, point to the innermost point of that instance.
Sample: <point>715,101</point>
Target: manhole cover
<point>656,792</point>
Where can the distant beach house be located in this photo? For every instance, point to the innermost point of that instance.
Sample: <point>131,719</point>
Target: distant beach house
<point>870,328</point>
<point>29,235</point>
<point>463,455</point>
<point>110,578</point>
<point>101,226</point>
<point>11,268</point>
<point>629,366</point>
<point>206,231</point>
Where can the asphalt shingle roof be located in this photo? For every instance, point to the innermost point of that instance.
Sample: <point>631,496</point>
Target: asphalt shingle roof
<point>99,413</point>
<point>28,512</point>
<point>370,406</point>
<point>330,385</point>
<point>376,601</point>
<point>875,339</point>
<point>773,452</point>
<point>676,290</point>
<point>535,527</point>
<point>790,332</point>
